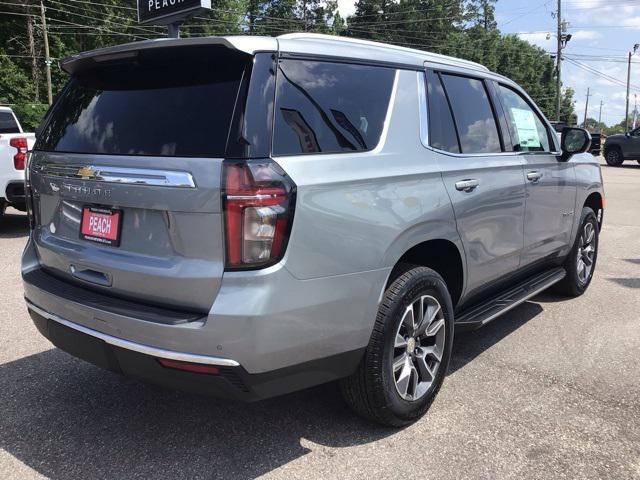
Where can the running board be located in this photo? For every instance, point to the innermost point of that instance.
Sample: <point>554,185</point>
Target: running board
<point>478,315</point>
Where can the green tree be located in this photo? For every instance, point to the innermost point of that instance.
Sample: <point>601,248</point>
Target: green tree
<point>482,13</point>
<point>338,26</point>
<point>463,29</point>
<point>567,107</point>
<point>620,127</point>
<point>594,126</point>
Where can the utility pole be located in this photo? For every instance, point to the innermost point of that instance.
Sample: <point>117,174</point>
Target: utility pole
<point>47,59</point>
<point>600,117</point>
<point>626,106</point>
<point>586,107</point>
<point>559,61</point>
<point>626,102</point>
<point>35,77</point>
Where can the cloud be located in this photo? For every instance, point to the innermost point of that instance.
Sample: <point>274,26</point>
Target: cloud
<point>346,7</point>
<point>633,22</point>
<point>585,35</point>
<point>601,12</point>
<point>543,39</point>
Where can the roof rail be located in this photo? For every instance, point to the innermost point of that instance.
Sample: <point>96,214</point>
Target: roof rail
<point>427,56</point>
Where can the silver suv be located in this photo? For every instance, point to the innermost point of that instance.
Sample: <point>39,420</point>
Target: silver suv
<point>247,216</point>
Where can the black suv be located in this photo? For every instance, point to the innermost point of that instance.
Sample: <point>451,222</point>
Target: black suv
<point>621,147</point>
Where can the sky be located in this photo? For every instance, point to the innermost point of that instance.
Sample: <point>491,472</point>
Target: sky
<point>603,32</point>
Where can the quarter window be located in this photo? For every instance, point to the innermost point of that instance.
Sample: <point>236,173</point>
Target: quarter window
<point>475,121</point>
<point>442,131</point>
<point>528,132</point>
<point>324,107</point>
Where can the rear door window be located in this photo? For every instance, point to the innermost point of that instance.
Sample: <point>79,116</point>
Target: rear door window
<point>8,123</point>
<point>324,107</point>
<point>473,114</point>
<point>178,105</point>
<point>528,132</point>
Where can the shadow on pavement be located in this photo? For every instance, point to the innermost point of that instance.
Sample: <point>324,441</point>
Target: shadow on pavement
<point>14,225</point>
<point>67,419</point>
<point>629,165</point>
<point>633,282</point>
<point>468,345</point>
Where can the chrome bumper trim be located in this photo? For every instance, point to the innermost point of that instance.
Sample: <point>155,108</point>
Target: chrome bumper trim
<point>136,347</point>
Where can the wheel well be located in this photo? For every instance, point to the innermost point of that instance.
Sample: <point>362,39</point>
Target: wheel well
<point>611,147</point>
<point>594,202</point>
<point>439,255</point>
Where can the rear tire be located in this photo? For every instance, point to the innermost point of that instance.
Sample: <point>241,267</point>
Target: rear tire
<point>581,261</point>
<point>613,156</point>
<point>408,354</point>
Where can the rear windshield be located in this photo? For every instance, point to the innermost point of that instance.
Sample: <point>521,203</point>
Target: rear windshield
<point>8,123</point>
<point>166,105</point>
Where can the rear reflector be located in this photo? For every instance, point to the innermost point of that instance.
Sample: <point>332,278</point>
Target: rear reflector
<point>188,366</point>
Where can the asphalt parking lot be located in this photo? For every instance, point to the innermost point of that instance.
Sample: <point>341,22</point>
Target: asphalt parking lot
<point>550,390</point>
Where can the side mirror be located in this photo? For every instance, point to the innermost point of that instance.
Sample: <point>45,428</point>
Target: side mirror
<point>574,140</point>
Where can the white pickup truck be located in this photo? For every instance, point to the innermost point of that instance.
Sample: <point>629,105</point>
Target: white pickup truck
<point>14,144</point>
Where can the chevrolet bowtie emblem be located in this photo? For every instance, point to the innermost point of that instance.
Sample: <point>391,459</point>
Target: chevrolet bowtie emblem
<point>86,172</point>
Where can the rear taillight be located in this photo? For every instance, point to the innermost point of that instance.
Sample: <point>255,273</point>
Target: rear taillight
<point>19,143</point>
<point>259,199</point>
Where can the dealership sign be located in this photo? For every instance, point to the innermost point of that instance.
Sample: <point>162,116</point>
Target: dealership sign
<point>163,12</point>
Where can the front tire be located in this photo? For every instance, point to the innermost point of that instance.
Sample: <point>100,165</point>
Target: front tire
<point>581,262</point>
<point>614,157</point>
<point>409,351</point>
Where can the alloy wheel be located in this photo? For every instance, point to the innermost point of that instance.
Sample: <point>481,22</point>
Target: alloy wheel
<point>586,252</point>
<point>613,157</point>
<point>418,347</point>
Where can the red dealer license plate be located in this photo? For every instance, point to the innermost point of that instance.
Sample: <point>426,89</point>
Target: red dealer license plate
<point>101,225</point>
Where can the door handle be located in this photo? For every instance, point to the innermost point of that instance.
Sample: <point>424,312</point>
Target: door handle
<point>467,185</point>
<point>534,176</point>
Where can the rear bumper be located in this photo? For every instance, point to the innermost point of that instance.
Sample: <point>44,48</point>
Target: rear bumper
<point>12,187</point>
<point>276,332</point>
<point>14,193</point>
<point>142,362</point>
<point>265,320</point>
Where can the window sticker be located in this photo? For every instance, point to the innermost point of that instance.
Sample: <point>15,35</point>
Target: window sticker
<point>526,128</point>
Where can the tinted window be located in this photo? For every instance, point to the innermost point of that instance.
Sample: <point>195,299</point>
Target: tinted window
<point>329,107</point>
<point>8,123</point>
<point>528,133</point>
<point>473,115</point>
<point>181,108</point>
<point>442,131</point>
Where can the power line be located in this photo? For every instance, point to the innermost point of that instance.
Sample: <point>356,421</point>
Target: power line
<point>18,14</point>
<point>602,75</point>
<point>142,29</point>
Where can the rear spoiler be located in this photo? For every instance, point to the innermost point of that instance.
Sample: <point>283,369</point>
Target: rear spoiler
<point>88,60</point>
